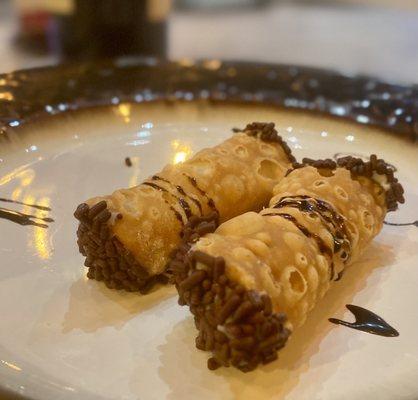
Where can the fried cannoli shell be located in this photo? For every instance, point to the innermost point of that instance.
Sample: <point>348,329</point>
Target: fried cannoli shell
<point>128,236</point>
<point>255,279</point>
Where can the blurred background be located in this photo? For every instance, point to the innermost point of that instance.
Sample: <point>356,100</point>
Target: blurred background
<point>373,37</point>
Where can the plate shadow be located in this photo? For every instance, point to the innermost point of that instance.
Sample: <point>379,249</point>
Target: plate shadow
<point>93,306</point>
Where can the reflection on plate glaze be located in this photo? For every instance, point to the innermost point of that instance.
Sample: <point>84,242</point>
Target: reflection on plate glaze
<point>24,174</point>
<point>182,151</point>
<point>11,365</point>
<point>124,111</point>
<point>367,321</point>
<point>40,239</point>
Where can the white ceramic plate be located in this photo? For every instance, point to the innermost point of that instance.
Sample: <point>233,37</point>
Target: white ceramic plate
<point>65,337</point>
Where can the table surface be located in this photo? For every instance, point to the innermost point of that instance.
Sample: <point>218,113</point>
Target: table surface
<point>355,39</point>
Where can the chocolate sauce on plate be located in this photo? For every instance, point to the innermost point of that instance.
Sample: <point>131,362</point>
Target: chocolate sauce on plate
<point>415,223</point>
<point>43,208</point>
<point>367,321</point>
<point>23,219</point>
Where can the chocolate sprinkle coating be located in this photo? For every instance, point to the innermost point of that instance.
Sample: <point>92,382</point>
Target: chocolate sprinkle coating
<point>107,259</point>
<point>251,332</point>
<point>359,167</point>
<point>266,132</point>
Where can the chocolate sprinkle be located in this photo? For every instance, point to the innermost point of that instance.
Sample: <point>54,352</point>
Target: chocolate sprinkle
<point>266,132</point>
<point>128,162</point>
<point>107,259</point>
<point>359,167</point>
<point>251,332</point>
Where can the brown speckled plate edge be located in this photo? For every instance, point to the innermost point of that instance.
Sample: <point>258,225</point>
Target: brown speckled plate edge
<point>26,95</point>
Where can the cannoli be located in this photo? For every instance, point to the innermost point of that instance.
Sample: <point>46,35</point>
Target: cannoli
<point>254,279</point>
<point>129,236</point>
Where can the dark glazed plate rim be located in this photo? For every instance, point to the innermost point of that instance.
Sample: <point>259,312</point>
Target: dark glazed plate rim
<point>27,95</point>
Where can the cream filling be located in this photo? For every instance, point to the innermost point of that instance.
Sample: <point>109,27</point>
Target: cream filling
<point>382,180</point>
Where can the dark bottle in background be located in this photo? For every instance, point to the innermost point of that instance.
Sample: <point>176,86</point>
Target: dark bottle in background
<point>111,28</point>
<point>94,29</point>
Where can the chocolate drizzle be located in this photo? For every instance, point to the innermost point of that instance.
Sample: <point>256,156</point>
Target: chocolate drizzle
<point>183,204</point>
<point>323,248</point>
<point>210,201</point>
<point>161,189</point>
<point>158,178</point>
<point>320,207</point>
<point>182,192</point>
<point>23,219</point>
<point>195,201</point>
<point>331,219</point>
<point>367,321</point>
<point>176,213</point>
<point>186,208</point>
